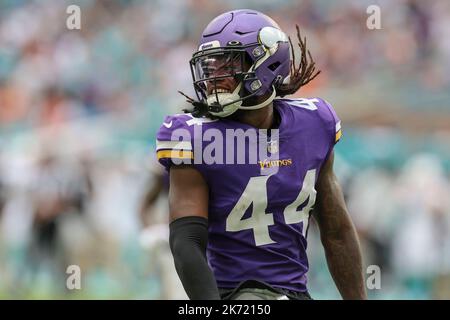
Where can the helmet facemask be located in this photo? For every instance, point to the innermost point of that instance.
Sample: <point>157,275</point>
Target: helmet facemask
<point>219,74</point>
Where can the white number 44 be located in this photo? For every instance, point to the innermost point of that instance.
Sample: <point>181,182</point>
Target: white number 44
<point>256,193</point>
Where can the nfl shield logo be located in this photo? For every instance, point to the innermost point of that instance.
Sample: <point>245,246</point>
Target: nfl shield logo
<point>272,147</point>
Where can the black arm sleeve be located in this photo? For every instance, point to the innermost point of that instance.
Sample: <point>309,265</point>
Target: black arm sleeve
<point>188,239</point>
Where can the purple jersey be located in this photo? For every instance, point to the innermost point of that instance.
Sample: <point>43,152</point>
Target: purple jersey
<point>258,216</point>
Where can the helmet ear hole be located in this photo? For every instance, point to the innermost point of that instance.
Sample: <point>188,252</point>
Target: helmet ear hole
<point>274,66</point>
<point>278,81</point>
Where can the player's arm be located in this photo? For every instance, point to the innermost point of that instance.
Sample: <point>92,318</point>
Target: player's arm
<point>338,235</point>
<point>188,204</point>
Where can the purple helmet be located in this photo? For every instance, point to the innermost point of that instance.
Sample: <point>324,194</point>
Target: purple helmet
<point>246,46</point>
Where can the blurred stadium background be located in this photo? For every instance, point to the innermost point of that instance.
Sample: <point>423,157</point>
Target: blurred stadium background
<point>79,110</point>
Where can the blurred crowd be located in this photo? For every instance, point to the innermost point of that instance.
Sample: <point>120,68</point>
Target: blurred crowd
<point>79,111</point>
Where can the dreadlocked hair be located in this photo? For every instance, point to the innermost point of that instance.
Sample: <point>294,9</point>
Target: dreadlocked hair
<point>298,77</point>
<point>301,75</point>
<point>199,109</point>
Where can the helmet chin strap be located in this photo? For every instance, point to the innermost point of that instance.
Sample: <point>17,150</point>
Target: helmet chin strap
<point>231,101</point>
<point>236,104</point>
<point>262,104</point>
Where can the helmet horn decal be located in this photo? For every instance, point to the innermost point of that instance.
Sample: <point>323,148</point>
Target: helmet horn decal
<point>269,37</point>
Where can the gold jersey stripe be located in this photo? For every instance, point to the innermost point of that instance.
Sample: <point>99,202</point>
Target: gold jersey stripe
<point>175,154</point>
<point>338,135</point>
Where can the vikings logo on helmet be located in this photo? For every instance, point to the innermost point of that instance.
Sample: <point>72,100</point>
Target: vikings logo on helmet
<point>247,47</point>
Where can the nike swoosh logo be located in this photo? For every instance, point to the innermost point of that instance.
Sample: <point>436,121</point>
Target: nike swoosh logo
<point>167,125</point>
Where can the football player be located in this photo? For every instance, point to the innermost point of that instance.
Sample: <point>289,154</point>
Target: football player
<point>238,231</point>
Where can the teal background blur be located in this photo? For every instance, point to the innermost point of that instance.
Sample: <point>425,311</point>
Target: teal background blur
<point>79,110</point>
